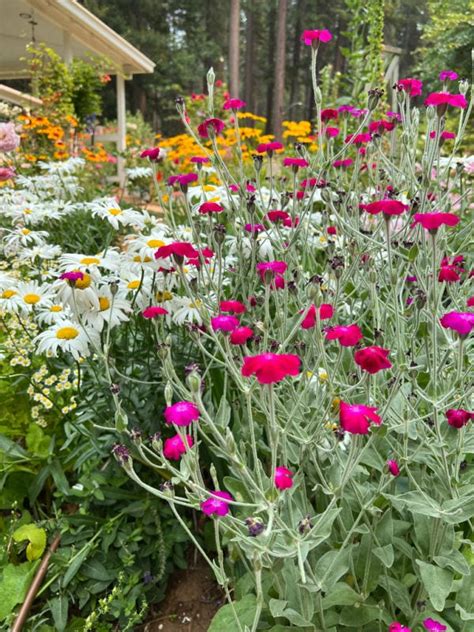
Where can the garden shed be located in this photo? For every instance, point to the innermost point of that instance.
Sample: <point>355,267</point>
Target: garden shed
<point>72,31</point>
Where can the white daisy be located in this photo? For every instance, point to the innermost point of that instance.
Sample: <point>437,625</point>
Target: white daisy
<point>53,312</point>
<point>113,310</point>
<point>90,263</point>
<point>67,336</point>
<point>110,210</point>
<point>30,295</point>
<point>184,310</point>
<point>22,237</point>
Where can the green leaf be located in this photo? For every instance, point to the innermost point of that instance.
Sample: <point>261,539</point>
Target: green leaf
<point>277,607</point>
<point>455,560</point>
<point>14,584</point>
<point>75,565</point>
<point>341,594</point>
<point>224,619</point>
<point>223,413</point>
<point>36,537</point>
<point>331,566</point>
<point>59,609</point>
<point>437,582</point>
<point>385,554</point>
<point>356,617</point>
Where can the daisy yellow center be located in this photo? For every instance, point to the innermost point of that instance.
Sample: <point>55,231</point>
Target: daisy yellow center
<point>31,299</point>
<point>55,308</point>
<point>88,261</point>
<point>115,211</point>
<point>138,259</point>
<point>67,333</point>
<point>163,296</point>
<point>27,211</point>
<point>82,284</point>
<point>155,243</point>
<point>133,285</point>
<point>25,231</point>
<point>196,304</point>
<point>104,303</point>
<point>9,293</point>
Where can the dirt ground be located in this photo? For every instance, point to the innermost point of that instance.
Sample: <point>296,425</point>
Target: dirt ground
<point>192,599</point>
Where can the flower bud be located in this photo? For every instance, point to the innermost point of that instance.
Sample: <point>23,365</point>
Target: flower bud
<point>211,76</point>
<point>194,382</point>
<point>219,233</point>
<point>318,97</point>
<point>255,526</point>
<point>121,420</point>
<point>257,163</point>
<point>136,435</point>
<point>122,455</point>
<point>156,442</point>
<point>168,393</point>
<point>374,97</point>
<point>463,86</point>
<point>230,442</point>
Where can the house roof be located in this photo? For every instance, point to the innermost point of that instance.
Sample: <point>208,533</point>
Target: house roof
<point>62,25</point>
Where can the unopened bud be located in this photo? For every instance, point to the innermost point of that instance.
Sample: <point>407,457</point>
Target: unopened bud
<point>463,86</point>
<point>168,393</point>
<point>194,382</point>
<point>318,96</point>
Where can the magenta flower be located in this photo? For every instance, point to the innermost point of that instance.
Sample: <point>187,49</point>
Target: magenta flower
<point>379,127</point>
<point>326,311</point>
<point>199,160</point>
<point>183,179</point>
<point>269,368</point>
<point>443,99</point>
<point>373,359</point>
<point>254,228</point>
<point>270,269</point>
<point>434,626</point>
<point>213,126</point>
<point>461,322</point>
<point>234,104</point>
<point>433,221</point>
<point>448,75</point>
<point>458,417</point>
<point>295,163</point>
<point>329,114</point>
<point>72,276</point>
<point>356,418</point>
<point>393,467</point>
<point>6,173</point>
<point>413,87</point>
<point>152,154</point>
<point>240,335</point>
<point>346,162</point>
<point>331,132</point>
<point>233,307</point>
<point>388,207</point>
<point>9,139</point>
<point>181,249</point>
<point>312,38</point>
<point>269,148</point>
<point>470,301</point>
<point>153,311</point>
<point>283,478</point>
<point>181,413</point>
<point>175,447</point>
<point>217,504</point>
<point>210,207</point>
<point>224,323</point>
<point>358,139</point>
<point>398,627</point>
<point>347,335</point>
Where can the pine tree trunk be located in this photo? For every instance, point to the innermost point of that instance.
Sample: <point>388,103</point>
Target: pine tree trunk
<point>234,48</point>
<point>295,85</point>
<point>279,85</point>
<point>249,78</point>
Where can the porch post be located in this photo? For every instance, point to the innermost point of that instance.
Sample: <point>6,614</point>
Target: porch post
<point>121,128</point>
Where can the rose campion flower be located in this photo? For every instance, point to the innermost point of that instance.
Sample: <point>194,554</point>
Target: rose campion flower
<point>217,504</point>
<point>345,162</point>
<point>6,173</point>
<point>269,148</point>
<point>348,336</point>
<point>433,221</point>
<point>387,207</point>
<point>269,368</point>
<point>183,179</point>
<point>210,207</point>
<point>413,87</point>
<point>283,478</point>
<point>175,447</point>
<point>329,114</point>
<point>358,139</point>
<point>153,311</point>
<point>214,126</point>
<point>295,163</point>
<point>152,154</point>
<point>240,335</point>
<point>72,276</point>
<point>269,269</point>
<point>434,626</point>
<point>443,99</point>
<point>331,132</point>
<point>458,417</point>
<point>232,307</point>
<point>9,139</point>
<point>398,627</point>
<point>312,38</point>
<point>254,228</point>
<point>461,322</point>
<point>448,75</point>
<point>234,104</point>
<point>356,418</point>
<point>470,301</point>
<point>181,413</point>
<point>326,311</point>
<point>181,249</point>
<point>224,323</point>
<point>393,467</point>
<point>373,359</point>
<point>199,160</point>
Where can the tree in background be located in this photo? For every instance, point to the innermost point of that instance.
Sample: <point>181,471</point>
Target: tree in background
<point>279,83</point>
<point>234,48</point>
